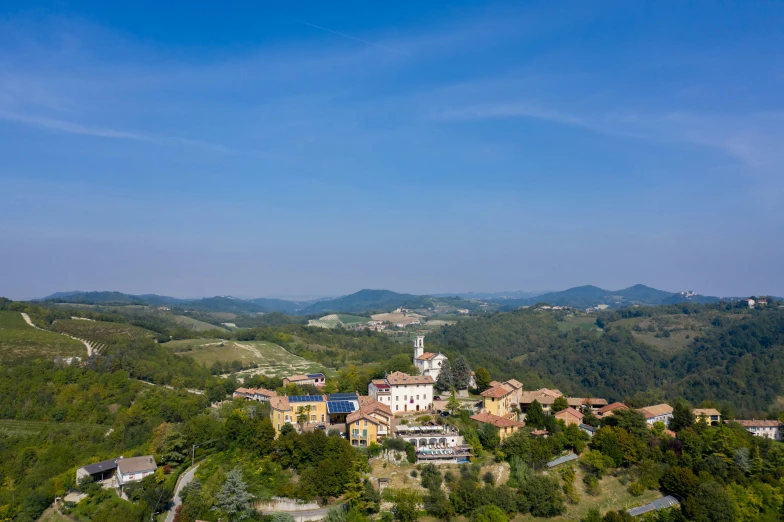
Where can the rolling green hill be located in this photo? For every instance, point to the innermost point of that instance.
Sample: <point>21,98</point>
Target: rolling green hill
<point>722,352</point>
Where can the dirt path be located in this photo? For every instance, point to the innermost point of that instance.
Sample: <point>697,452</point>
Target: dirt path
<point>89,346</point>
<point>85,343</point>
<point>252,349</point>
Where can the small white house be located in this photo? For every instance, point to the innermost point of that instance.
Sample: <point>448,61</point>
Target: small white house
<point>134,469</point>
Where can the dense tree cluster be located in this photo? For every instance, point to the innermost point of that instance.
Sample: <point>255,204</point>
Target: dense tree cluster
<point>736,360</point>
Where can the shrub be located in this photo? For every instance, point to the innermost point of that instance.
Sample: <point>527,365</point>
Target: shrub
<point>636,489</point>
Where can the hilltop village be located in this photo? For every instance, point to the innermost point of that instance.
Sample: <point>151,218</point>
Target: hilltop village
<point>392,404</point>
<point>343,424</point>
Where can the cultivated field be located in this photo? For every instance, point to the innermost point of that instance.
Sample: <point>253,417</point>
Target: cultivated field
<point>19,341</point>
<point>581,322</point>
<point>272,360</point>
<point>681,331</point>
<point>335,320</point>
<point>397,317</point>
<point>101,332</point>
<point>196,325</point>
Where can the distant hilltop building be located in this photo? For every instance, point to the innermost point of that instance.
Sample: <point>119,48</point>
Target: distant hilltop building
<point>427,363</point>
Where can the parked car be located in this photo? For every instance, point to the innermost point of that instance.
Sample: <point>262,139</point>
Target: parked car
<point>321,427</point>
<point>437,398</point>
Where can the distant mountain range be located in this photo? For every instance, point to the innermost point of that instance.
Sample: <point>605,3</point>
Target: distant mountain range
<point>385,300</point>
<point>590,296</point>
<point>358,302</point>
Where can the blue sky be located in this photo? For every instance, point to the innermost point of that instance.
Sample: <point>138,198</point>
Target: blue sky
<point>316,148</point>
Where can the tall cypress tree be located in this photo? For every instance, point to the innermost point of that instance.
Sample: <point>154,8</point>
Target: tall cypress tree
<point>462,373</point>
<point>446,378</point>
<point>535,415</point>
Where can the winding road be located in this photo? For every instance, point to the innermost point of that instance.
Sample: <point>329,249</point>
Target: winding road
<point>186,479</point>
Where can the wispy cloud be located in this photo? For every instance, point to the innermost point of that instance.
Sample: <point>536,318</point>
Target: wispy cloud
<point>752,138</point>
<point>102,132</point>
<point>344,35</point>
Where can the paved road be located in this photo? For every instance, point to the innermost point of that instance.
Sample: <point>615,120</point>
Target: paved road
<point>186,479</point>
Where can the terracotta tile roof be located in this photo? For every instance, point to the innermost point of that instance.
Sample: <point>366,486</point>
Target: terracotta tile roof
<point>298,378</point>
<point>381,385</point>
<point>708,412</point>
<point>373,405</point>
<point>760,423</point>
<point>495,420</point>
<point>611,407</point>
<point>497,391</point>
<point>569,411</point>
<point>543,396</point>
<point>537,433</point>
<point>514,383</point>
<point>495,383</point>
<point>654,411</point>
<point>280,403</point>
<point>359,414</point>
<point>400,378</point>
<point>582,401</point>
<point>427,356</point>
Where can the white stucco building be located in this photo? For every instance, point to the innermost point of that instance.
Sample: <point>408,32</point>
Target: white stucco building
<point>769,429</point>
<point>134,469</point>
<point>427,363</point>
<point>402,392</point>
<point>657,413</point>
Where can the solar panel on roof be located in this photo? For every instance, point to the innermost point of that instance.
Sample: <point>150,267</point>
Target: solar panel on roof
<point>306,398</point>
<point>561,460</point>
<point>340,407</point>
<point>657,504</point>
<point>343,396</point>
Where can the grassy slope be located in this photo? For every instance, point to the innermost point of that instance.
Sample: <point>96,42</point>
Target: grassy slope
<point>196,325</point>
<point>614,496</point>
<point>20,341</point>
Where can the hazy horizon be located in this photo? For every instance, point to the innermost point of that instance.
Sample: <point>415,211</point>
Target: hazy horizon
<point>306,297</point>
<point>246,150</point>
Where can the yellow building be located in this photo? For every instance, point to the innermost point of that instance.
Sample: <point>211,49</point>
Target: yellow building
<point>710,415</point>
<point>370,424</point>
<point>501,397</point>
<point>297,409</point>
<point>506,427</point>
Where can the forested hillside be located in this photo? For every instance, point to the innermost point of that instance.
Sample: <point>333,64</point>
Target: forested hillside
<point>733,355</point>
